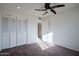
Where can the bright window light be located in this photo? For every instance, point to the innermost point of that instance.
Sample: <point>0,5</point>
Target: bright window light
<point>46,42</point>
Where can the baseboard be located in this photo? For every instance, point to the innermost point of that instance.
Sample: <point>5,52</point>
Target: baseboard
<point>67,47</point>
<point>31,42</point>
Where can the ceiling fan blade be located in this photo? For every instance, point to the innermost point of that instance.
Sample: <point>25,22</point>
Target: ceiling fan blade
<point>40,9</point>
<point>47,5</point>
<point>45,13</point>
<point>57,6</point>
<point>53,11</point>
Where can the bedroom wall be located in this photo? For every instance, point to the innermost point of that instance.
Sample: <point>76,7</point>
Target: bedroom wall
<point>32,29</point>
<point>65,28</point>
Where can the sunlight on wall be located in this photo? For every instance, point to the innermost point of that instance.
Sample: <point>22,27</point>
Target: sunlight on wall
<point>46,42</point>
<point>48,37</point>
<point>42,45</point>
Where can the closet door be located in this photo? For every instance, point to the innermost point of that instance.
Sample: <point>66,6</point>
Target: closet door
<point>19,33</point>
<point>24,32</point>
<point>12,27</point>
<point>5,32</point>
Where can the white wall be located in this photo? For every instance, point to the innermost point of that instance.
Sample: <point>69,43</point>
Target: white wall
<point>45,30</point>
<point>65,28</point>
<point>47,33</point>
<point>32,29</point>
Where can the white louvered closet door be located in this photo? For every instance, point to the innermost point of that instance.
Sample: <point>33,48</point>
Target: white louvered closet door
<point>19,33</point>
<point>12,31</point>
<point>5,32</point>
<point>24,31</point>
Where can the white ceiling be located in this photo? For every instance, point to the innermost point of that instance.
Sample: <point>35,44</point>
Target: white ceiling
<point>27,9</point>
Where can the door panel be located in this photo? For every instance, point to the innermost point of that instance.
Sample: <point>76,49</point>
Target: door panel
<point>13,32</point>
<point>19,33</point>
<point>5,33</point>
<point>25,32</point>
<point>12,39</point>
<point>12,26</point>
<point>5,40</point>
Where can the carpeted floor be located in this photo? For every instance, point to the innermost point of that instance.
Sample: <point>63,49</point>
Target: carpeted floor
<point>35,50</point>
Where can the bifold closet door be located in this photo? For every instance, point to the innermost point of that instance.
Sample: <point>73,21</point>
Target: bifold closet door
<point>12,31</point>
<point>19,33</point>
<point>24,30</point>
<point>5,32</point>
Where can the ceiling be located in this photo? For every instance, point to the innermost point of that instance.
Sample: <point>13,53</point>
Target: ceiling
<point>27,9</point>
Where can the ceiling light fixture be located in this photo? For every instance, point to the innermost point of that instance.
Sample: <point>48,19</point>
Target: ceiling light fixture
<point>18,7</point>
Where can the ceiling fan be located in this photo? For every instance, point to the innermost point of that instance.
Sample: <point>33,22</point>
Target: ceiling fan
<point>48,7</point>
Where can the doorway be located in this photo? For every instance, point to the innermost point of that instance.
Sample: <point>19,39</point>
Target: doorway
<point>44,36</point>
<point>40,31</point>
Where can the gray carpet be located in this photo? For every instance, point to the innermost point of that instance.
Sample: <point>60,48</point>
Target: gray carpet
<point>35,50</point>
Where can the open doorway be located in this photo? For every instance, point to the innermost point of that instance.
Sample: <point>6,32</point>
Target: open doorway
<point>40,31</point>
<point>44,36</point>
